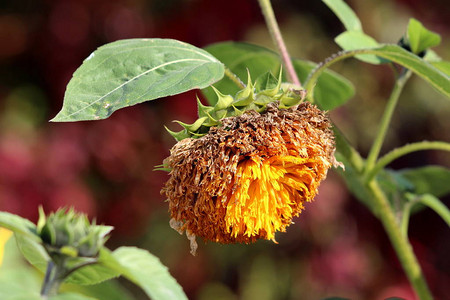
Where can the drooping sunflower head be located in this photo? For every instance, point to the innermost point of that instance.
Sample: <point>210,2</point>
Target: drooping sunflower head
<point>247,178</point>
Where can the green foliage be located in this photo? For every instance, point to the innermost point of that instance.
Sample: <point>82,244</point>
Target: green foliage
<point>240,57</point>
<point>351,40</point>
<point>146,271</point>
<point>432,180</point>
<point>127,72</point>
<point>18,224</point>
<point>419,38</point>
<point>137,265</point>
<point>255,96</point>
<point>33,251</point>
<point>345,14</point>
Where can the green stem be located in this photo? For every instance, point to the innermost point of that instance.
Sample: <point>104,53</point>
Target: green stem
<point>405,218</point>
<point>52,280</point>
<point>233,77</point>
<point>406,149</point>
<point>433,203</point>
<point>272,25</point>
<point>385,121</point>
<point>399,242</point>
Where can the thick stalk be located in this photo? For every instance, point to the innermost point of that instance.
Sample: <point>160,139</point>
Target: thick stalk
<point>400,242</point>
<point>385,121</point>
<point>272,25</point>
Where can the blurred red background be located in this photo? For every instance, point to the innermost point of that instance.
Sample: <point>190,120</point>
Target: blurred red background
<point>105,168</point>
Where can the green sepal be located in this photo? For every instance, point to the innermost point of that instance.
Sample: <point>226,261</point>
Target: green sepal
<point>255,96</point>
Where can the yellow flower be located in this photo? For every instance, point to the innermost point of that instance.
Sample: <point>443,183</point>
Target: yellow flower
<point>248,178</point>
<point>5,234</point>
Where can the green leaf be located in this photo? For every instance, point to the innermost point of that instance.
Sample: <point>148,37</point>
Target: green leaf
<point>351,40</point>
<point>432,180</point>
<point>16,291</point>
<point>240,57</point>
<point>443,66</point>
<point>345,14</point>
<point>127,72</point>
<point>96,273</point>
<point>18,224</point>
<point>146,271</point>
<point>33,251</point>
<point>332,89</point>
<point>421,38</point>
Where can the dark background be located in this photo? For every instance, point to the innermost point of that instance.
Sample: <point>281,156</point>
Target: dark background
<point>105,168</point>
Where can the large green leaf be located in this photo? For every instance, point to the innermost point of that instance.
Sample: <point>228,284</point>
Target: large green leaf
<point>146,271</point>
<point>332,89</point>
<point>432,180</point>
<point>351,40</point>
<point>420,38</point>
<point>345,14</point>
<point>127,72</point>
<point>18,224</point>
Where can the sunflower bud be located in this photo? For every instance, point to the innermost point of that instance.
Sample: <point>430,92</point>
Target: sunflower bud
<point>68,233</point>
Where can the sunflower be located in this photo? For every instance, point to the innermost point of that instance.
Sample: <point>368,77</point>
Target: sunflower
<point>246,179</point>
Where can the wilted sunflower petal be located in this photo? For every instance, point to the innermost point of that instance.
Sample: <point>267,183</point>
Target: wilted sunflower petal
<point>247,179</point>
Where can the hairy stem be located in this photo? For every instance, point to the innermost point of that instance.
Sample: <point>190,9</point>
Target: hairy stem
<point>272,25</point>
<point>406,149</point>
<point>385,121</point>
<point>233,77</point>
<point>400,242</point>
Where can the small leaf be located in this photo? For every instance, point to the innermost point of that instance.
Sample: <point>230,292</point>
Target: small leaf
<point>351,40</point>
<point>146,271</point>
<point>421,38</point>
<point>127,72</point>
<point>33,251</point>
<point>18,224</point>
<point>432,180</point>
<point>345,14</point>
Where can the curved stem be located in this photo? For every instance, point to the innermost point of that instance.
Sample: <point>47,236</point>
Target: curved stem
<point>385,121</point>
<point>233,77</point>
<point>277,39</point>
<point>400,242</point>
<point>433,203</point>
<point>396,153</point>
